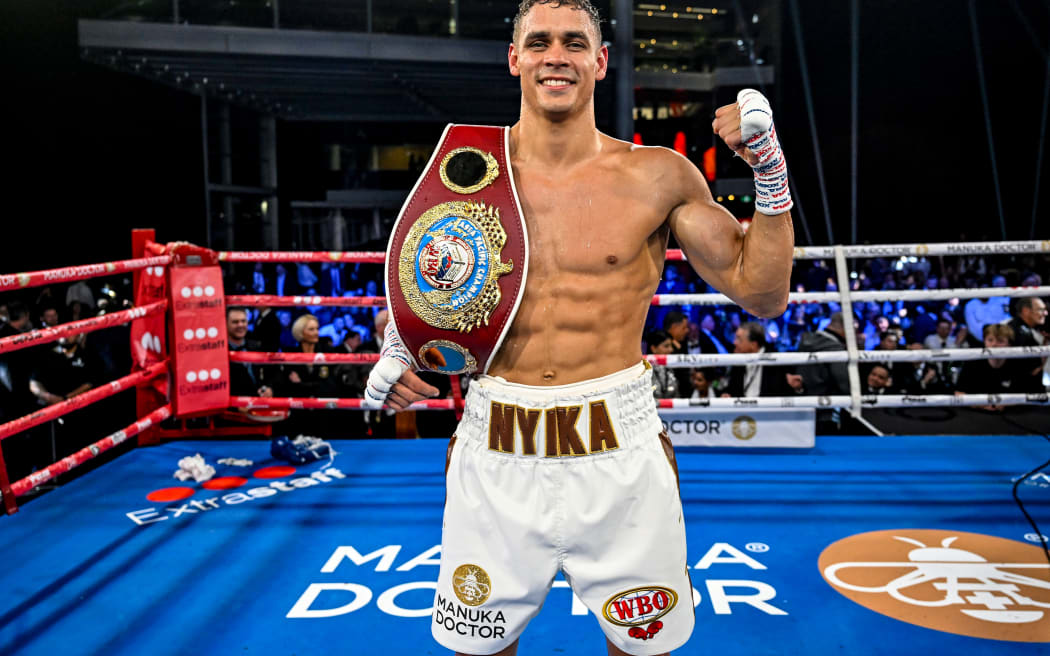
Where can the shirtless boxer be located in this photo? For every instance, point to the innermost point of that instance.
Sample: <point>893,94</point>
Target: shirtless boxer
<point>569,379</point>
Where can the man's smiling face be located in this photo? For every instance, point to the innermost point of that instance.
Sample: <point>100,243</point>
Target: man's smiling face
<point>558,57</point>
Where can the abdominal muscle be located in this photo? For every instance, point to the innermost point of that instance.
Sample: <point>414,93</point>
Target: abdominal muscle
<point>580,321</point>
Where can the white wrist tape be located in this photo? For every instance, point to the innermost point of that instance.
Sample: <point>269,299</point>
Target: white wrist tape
<point>772,195</point>
<point>394,361</point>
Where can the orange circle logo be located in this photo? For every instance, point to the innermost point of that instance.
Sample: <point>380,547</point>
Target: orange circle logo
<point>952,581</point>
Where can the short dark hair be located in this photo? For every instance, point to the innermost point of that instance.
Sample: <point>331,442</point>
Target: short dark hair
<point>673,317</point>
<point>1023,303</point>
<point>756,332</point>
<point>657,337</point>
<point>709,373</point>
<point>579,5</point>
<point>17,310</point>
<point>235,308</point>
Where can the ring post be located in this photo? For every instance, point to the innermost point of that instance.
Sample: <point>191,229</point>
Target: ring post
<point>147,335</point>
<point>10,500</point>
<point>842,274</point>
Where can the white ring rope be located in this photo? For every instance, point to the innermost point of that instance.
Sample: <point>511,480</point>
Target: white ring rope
<point>844,401</point>
<point>690,360</point>
<point>924,250</point>
<point>863,297</point>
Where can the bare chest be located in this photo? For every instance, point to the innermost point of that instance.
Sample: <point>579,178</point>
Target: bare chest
<point>585,226</point>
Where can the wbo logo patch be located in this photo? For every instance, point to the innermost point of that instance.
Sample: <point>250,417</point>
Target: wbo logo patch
<point>638,606</point>
<point>963,583</point>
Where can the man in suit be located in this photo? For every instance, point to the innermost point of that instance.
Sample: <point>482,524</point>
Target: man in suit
<point>754,379</point>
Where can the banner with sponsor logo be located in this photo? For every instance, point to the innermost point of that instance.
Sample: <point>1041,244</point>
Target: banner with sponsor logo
<point>201,365</point>
<point>148,343</point>
<point>746,427</point>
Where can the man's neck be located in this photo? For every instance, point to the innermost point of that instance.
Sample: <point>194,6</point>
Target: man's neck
<point>537,140</point>
<point>237,342</point>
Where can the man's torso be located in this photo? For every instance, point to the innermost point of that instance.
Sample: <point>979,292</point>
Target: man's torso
<point>597,239</point>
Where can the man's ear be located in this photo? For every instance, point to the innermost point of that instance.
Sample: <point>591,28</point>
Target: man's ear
<point>603,63</point>
<point>512,61</point>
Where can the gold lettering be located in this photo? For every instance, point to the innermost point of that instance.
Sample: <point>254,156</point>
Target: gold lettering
<point>528,420</point>
<point>569,443</point>
<point>551,437</point>
<point>501,428</point>
<point>603,436</point>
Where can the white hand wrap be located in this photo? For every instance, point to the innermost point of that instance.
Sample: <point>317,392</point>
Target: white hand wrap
<point>394,361</point>
<point>772,195</point>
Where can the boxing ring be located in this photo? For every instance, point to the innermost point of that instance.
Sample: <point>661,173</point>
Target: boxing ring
<point>867,543</point>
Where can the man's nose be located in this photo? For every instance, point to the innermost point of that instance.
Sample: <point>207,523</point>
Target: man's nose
<point>555,55</point>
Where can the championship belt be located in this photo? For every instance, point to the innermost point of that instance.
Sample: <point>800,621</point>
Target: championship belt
<point>458,254</point>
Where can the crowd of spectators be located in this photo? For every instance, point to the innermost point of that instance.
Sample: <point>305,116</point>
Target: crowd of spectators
<point>47,374</point>
<point>879,326</point>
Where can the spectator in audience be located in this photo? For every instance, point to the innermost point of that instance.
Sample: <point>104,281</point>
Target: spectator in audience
<point>703,383</point>
<point>62,372</point>
<point>310,380</point>
<point>728,331</point>
<point>331,282</point>
<point>753,379</point>
<point>48,316</point>
<point>942,338</point>
<point>17,366</point>
<point>80,292</point>
<point>921,377</point>
<point>336,331</point>
<point>1027,325</point>
<point>992,375</point>
<point>665,383</point>
<point>676,326</point>
<point>823,378</point>
<point>305,276</point>
<point>283,284</point>
<point>983,311</point>
<point>876,379</point>
<point>258,285</point>
<point>245,379</point>
<point>267,330</point>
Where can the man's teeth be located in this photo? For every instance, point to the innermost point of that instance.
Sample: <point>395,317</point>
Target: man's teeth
<point>556,83</point>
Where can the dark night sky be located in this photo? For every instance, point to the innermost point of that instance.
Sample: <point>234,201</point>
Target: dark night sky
<point>91,153</point>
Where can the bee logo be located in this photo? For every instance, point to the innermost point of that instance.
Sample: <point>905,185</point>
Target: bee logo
<point>971,584</point>
<point>471,584</point>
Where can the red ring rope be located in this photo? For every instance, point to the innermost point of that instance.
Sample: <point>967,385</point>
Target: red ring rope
<point>46,335</point>
<point>79,401</point>
<point>87,453</point>
<point>82,272</point>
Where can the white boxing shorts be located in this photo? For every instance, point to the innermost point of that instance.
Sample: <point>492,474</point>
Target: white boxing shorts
<point>575,478</point>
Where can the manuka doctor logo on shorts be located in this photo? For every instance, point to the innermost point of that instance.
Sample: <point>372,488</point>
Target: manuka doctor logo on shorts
<point>471,585</point>
<point>963,583</point>
<point>639,606</point>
